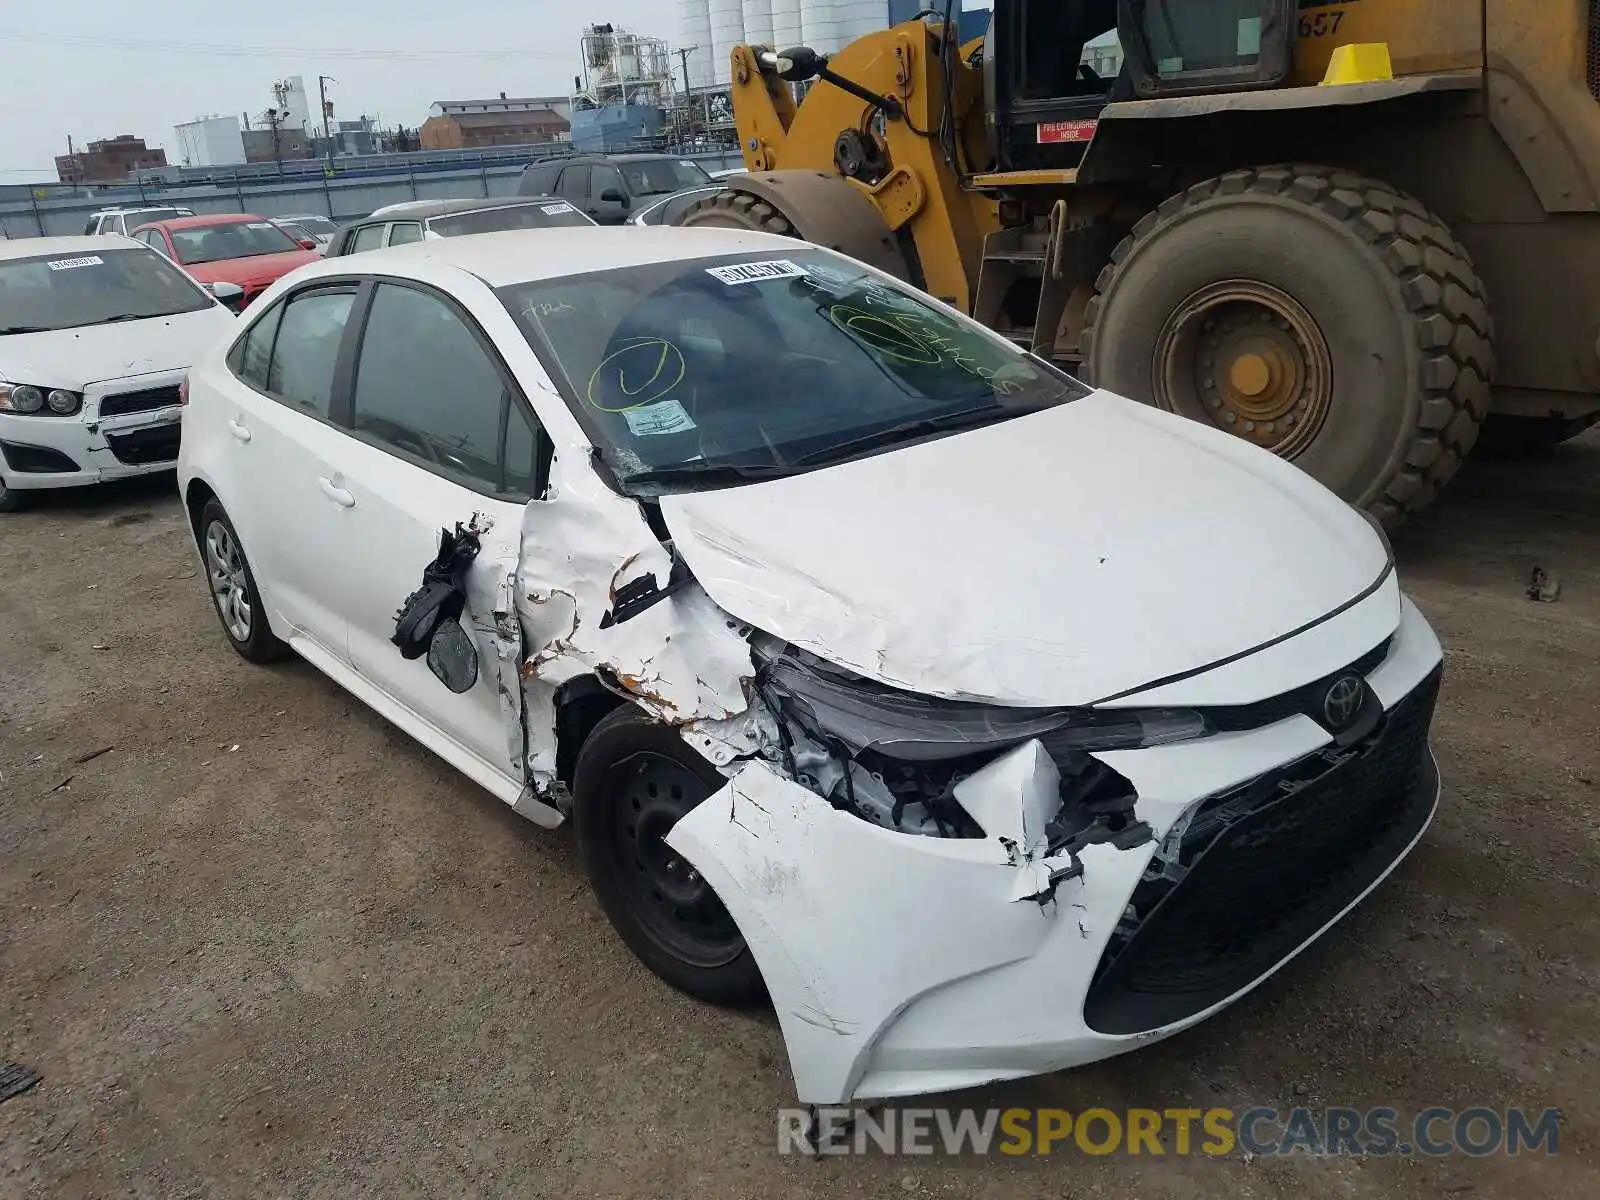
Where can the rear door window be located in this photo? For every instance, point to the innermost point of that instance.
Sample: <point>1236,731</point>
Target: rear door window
<point>403,232</point>
<point>306,348</point>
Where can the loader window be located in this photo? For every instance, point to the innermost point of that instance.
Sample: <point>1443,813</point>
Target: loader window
<point>1051,44</point>
<point>682,372</point>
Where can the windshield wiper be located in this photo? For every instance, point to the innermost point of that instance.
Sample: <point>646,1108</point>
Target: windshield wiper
<point>5,329</point>
<point>713,474</point>
<point>115,317</point>
<point>965,418</point>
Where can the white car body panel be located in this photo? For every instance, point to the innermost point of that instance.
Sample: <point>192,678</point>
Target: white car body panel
<point>902,965</point>
<point>1087,553</point>
<point>862,577</point>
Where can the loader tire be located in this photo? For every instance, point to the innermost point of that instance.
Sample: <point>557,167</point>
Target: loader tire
<point>738,210</point>
<point>1320,314</point>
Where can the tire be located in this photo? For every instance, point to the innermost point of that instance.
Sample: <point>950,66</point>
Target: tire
<point>1399,343</point>
<point>619,819</point>
<point>12,500</point>
<point>255,642</point>
<point>738,210</point>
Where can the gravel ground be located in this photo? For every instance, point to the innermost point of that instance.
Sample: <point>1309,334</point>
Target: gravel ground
<point>264,945</point>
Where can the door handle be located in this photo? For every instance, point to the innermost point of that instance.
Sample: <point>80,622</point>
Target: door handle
<point>237,428</point>
<point>336,493</point>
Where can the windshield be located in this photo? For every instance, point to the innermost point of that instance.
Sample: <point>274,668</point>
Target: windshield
<point>658,176</point>
<point>550,214</point>
<point>197,244</point>
<point>63,291</point>
<point>686,373</point>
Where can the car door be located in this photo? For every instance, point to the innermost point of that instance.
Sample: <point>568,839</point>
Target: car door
<point>574,186</point>
<point>439,432</point>
<point>284,492</point>
<point>608,195</point>
<point>403,233</point>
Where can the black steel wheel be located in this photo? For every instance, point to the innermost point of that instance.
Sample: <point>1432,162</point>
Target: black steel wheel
<point>635,779</point>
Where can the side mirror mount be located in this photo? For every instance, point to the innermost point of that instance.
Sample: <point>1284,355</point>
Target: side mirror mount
<point>308,244</point>
<point>224,291</point>
<point>614,196</point>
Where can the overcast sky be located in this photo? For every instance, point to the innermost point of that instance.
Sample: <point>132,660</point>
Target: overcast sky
<point>97,68</point>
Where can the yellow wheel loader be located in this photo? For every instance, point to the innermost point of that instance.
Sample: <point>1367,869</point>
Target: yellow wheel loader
<point>1354,232</point>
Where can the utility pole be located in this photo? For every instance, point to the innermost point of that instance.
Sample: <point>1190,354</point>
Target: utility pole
<point>683,57</point>
<point>327,112</point>
<point>688,100</point>
<point>274,119</point>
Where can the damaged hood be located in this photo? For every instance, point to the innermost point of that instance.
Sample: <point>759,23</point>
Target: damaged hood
<point>75,358</point>
<point>1055,559</point>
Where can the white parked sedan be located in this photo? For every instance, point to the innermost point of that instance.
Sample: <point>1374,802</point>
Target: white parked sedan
<point>989,724</point>
<point>96,334</point>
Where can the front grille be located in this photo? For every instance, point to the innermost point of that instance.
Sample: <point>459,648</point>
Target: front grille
<point>147,400</point>
<point>158,444</point>
<point>1261,868</point>
<point>36,460</point>
<point>1593,63</point>
<point>1306,700</point>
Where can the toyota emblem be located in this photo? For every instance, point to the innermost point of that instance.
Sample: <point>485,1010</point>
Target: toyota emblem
<point>1343,701</point>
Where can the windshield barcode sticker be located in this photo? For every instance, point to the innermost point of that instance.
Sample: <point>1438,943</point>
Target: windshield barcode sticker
<point>652,420</point>
<point>67,264</point>
<point>777,268</point>
<point>551,210</point>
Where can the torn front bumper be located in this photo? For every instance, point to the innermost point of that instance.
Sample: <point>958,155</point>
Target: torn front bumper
<point>126,427</point>
<point>903,964</point>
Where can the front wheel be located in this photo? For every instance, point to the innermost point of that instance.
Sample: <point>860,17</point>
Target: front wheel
<point>12,500</point>
<point>1315,313</point>
<point>634,780</point>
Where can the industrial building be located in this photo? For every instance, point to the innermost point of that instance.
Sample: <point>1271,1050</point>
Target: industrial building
<point>506,121</point>
<point>109,160</point>
<point>715,27</point>
<point>210,142</point>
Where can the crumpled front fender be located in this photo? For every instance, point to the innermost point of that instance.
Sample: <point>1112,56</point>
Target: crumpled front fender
<point>851,923</point>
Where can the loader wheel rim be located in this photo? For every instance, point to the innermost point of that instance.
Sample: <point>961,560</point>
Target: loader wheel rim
<point>1249,359</point>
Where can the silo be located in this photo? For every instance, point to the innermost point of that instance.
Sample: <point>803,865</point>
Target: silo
<point>727,31</point>
<point>816,24</point>
<point>786,24</point>
<point>694,29</point>
<point>828,25</point>
<point>758,22</point>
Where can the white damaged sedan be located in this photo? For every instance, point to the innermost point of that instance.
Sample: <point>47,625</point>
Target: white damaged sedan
<point>987,723</point>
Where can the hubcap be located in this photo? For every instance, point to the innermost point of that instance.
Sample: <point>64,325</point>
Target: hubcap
<point>1250,359</point>
<point>678,907</point>
<point>225,566</point>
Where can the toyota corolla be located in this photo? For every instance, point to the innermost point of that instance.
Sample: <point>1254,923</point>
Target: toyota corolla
<point>987,723</point>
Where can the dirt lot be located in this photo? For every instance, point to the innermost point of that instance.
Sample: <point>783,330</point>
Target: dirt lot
<point>266,946</point>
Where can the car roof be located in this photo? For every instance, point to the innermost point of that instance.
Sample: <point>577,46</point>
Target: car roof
<point>208,219</point>
<point>78,244</point>
<point>527,255</point>
<point>435,208</point>
<point>632,156</point>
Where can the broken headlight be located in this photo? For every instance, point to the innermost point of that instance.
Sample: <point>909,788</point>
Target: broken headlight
<point>895,758</point>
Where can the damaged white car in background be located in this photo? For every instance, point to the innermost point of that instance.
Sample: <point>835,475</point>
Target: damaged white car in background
<point>989,724</point>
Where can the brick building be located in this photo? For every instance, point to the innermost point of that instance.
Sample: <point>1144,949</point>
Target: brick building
<point>505,121</point>
<point>108,161</point>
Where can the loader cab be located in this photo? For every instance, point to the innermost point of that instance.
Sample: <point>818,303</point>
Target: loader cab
<point>1044,93</point>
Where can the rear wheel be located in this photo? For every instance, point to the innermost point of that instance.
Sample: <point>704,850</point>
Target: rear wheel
<point>635,779</point>
<point>1314,313</point>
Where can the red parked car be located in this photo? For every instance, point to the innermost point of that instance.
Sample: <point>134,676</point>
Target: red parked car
<point>239,248</point>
